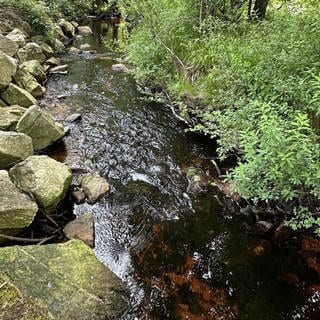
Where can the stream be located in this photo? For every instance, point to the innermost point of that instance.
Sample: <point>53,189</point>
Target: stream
<point>182,256</point>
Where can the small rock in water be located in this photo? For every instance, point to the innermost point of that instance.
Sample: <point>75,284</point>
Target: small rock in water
<point>75,50</point>
<point>85,46</point>
<point>79,196</point>
<point>60,69</point>
<point>74,117</point>
<point>119,67</point>
<point>84,30</point>
<point>95,187</point>
<point>81,229</point>
<point>61,96</point>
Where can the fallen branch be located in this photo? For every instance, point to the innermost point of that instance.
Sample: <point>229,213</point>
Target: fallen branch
<point>29,240</point>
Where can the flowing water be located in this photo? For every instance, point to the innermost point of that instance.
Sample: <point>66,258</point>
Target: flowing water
<point>182,256</point>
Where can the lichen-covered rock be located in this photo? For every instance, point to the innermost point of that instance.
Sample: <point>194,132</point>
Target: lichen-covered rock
<point>15,95</point>
<point>58,46</point>
<point>9,117</point>
<point>84,30</point>
<point>95,187</point>
<point>35,68</point>
<point>66,279</point>
<point>14,147</point>
<point>47,179</point>
<point>59,33</point>
<point>53,61</point>
<point>27,81</point>
<point>8,46</point>
<point>47,50</point>
<point>31,51</point>
<point>82,229</point>
<point>15,305</point>
<point>67,28</point>
<point>8,68</point>
<point>17,36</point>
<point>40,127</point>
<point>17,209</point>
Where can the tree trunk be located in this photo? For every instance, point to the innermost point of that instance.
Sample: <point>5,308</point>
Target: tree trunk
<point>260,9</point>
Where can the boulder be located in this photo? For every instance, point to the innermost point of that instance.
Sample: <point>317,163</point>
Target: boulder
<point>28,82</point>
<point>85,46</point>
<point>119,67</point>
<point>66,280</point>
<point>82,229</point>
<point>78,196</point>
<point>17,209</point>
<point>31,51</point>
<point>15,95</point>
<point>35,68</point>
<point>8,68</point>
<point>14,147</point>
<point>75,50</point>
<point>95,187</point>
<point>8,46</point>
<point>9,117</point>
<point>47,50</point>
<point>17,36</point>
<point>75,24</point>
<point>59,33</point>
<point>47,179</point>
<point>53,61</point>
<point>40,127</point>
<point>68,29</point>
<point>58,46</point>
<point>84,30</point>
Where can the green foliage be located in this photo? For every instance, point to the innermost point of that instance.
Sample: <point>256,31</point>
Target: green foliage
<point>35,13</point>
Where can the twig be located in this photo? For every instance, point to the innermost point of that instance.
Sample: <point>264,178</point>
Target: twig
<point>45,240</point>
<point>216,166</point>
<point>18,239</point>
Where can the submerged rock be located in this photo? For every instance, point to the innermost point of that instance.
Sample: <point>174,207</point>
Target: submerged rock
<point>119,67</point>
<point>15,95</point>
<point>31,51</point>
<point>47,179</point>
<point>8,68</point>
<point>82,229</point>
<point>198,180</point>
<point>8,46</point>
<point>65,279</point>
<point>9,117</point>
<point>17,209</point>
<point>95,187</point>
<point>14,147</point>
<point>40,127</point>
<point>85,46</point>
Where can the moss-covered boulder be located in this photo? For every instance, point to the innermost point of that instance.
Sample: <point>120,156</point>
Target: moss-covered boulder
<point>46,49</point>
<point>35,68</point>
<point>40,127</point>
<point>17,36</point>
<point>14,147</point>
<point>31,51</point>
<point>66,279</point>
<point>68,29</point>
<point>17,209</point>
<point>94,187</point>
<point>27,81</point>
<point>8,46</point>
<point>15,95</point>
<point>9,117</point>
<point>15,305</point>
<point>8,68</point>
<point>47,179</point>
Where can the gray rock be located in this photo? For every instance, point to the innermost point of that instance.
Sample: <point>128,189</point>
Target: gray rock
<point>35,68</point>
<point>40,127</point>
<point>68,29</point>
<point>65,279</point>
<point>15,95</point>
<point>14,147</point>
<point>17,36</point>
<point>31,51</point>
<point>47,179</point>
<point>84,30</point>
<point>28,82</point>
<point>85,46</point>
<point>119,67</point>
<point>73,117</point>
<point>75,50</point>
<point>17,210</point>
<point>9,117</point>
<point>46,49</point>
<point>8,68</point>
<point>53,61</point>
<point>95,187</point>
<point>58,69</point>
<point>8,46</point>
<point>82,229</point>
